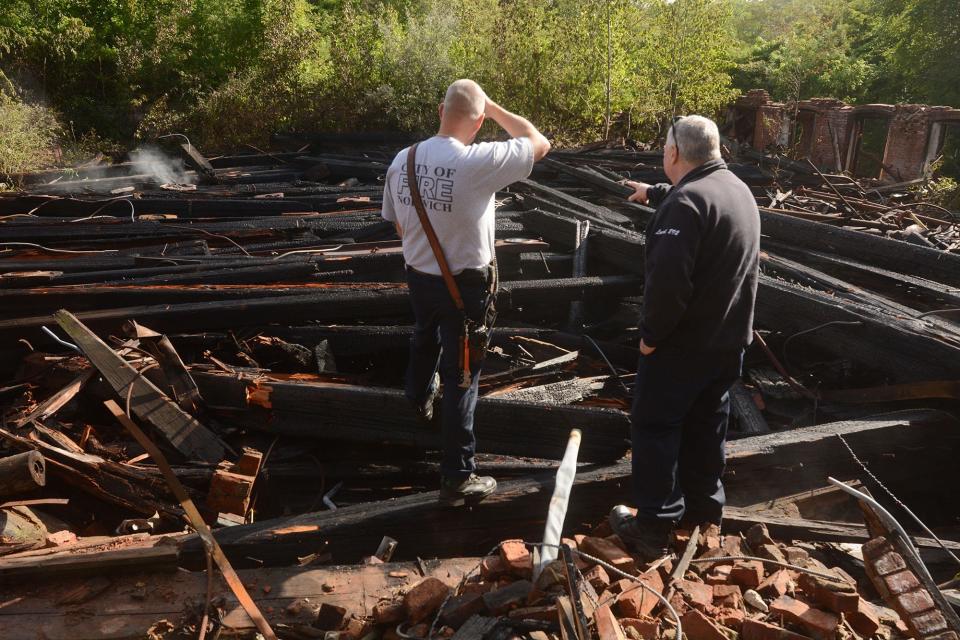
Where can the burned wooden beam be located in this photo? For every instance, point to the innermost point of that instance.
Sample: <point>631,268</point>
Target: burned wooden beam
<point>178,428</point>
<point>791,460</point>
<point>381,415</point>
<point>22,473</point>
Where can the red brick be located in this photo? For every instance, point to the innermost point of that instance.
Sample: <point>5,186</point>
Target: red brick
<point>616,541</point>
<point>731,545</point>
<point>607,626</point>
<point>818,624</point>
<point>646,627</point>
<point>356,629</point>
<point>570,542</point>
<point>597,577</point>
<point>731,618</point>
<point>728,595</point>
<point>797,556</point>
<point>914,602</point>
<point>492,567</point>
<point>929,623</point>
<point>776,585</point>
<point>388,612</point>
<point>459,609</point>
<point>517,558</point>
<point>607,551</point>
<point>865,620</point>
<point>424,599</point>
<point>698,594</point>
<point>770,552</point>
<point>758,630</point>
<point>888,563</point>
<point>758,535</point>
<point>875,547</point>
<point>637,602</point>
<point>697,626</point>
<point>747,573</point>
<point>719,575</point>
<point>836,597</point>
<point>901,582</point>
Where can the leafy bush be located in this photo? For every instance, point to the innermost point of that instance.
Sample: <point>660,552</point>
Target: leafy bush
<point>28,136</point>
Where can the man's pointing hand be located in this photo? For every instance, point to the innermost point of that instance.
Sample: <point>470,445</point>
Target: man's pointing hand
<point>639,191</point>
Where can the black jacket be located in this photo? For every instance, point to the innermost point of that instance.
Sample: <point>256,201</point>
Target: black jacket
<point>702,252</point>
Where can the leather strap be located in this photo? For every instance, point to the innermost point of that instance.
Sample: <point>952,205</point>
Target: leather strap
<point>414,186</point>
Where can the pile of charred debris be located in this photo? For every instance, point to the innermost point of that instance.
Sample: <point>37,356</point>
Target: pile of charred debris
<point>204,431</point>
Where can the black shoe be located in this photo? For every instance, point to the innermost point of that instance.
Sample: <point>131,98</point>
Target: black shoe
<point>425,409</point>
<point>649,538</point>
<point>456,493</point>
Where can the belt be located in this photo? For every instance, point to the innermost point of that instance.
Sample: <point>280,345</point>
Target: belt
<point>483,273</point>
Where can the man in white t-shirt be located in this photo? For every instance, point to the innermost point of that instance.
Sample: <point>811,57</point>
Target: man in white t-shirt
<point>457,181</point>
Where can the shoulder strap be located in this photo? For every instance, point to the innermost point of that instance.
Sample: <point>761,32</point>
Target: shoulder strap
<point>428,229</point>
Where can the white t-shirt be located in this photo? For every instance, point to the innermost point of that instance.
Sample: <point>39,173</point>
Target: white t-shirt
<point>457,184</point>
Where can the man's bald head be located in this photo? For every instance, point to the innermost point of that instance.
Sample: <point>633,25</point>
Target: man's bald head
<point>464,100</point>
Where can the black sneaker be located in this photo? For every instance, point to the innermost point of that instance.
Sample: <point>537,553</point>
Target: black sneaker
<point>456,493</point>
<point>425,409</point>
<point>648,537</point>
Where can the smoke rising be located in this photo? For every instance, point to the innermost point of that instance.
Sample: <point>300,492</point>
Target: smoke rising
<point>160,166</point>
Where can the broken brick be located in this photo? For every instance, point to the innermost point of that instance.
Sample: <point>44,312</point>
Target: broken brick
<point>356,629</point>
<point>759,630</point>
<point>777,584</point>
<point>719,575</point>
<point>866,619</point>
<point>770,552</point>
<point>424,598</point>
<point>747,573</point>
<point>697,626</point>
<point>388,612</point>
<point>646,627</point>
<point>597,577</point>
<point>797,556</point>
<point>610,553</point>
<point>492,567</point>
<point>728,595</point>
<point>758,535</point>
<point>819,624</point>
<point>637,602</point>
<point>731,545</point>
<point>730,618</point>
<point>517,558</point>
<point>607,626</point>
<point>698,594</point>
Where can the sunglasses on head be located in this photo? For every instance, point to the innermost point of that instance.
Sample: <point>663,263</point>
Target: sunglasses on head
<point>676,142</point>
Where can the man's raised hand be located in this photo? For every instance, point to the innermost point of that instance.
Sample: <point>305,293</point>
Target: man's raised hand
<point>639,191</point>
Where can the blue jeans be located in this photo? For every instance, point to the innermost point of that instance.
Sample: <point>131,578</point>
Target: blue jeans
<point>434,346</point>
<point>681,406</point>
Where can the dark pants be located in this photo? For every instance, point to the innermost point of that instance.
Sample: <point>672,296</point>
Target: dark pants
<point>681,406</point>
<point>433,346</point>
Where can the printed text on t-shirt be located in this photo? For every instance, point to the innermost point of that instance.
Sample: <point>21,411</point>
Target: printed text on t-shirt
<point>436,188</point>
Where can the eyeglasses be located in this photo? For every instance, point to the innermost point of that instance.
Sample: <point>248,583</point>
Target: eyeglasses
<point>672,129</point>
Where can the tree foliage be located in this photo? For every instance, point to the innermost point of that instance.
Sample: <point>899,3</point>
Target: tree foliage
<point>227,72</point>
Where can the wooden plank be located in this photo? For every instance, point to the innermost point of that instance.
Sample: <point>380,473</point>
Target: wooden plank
<point>178,428</point>
<point>55,402</point>
<point>288,595</point>
<point>57,566</point>
<point>380,415</point>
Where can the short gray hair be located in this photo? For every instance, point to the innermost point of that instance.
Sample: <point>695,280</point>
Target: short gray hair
<point>466,99</point>
<point>696,138</point>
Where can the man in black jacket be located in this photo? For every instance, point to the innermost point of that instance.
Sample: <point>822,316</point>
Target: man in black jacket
<point>700,285</point>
